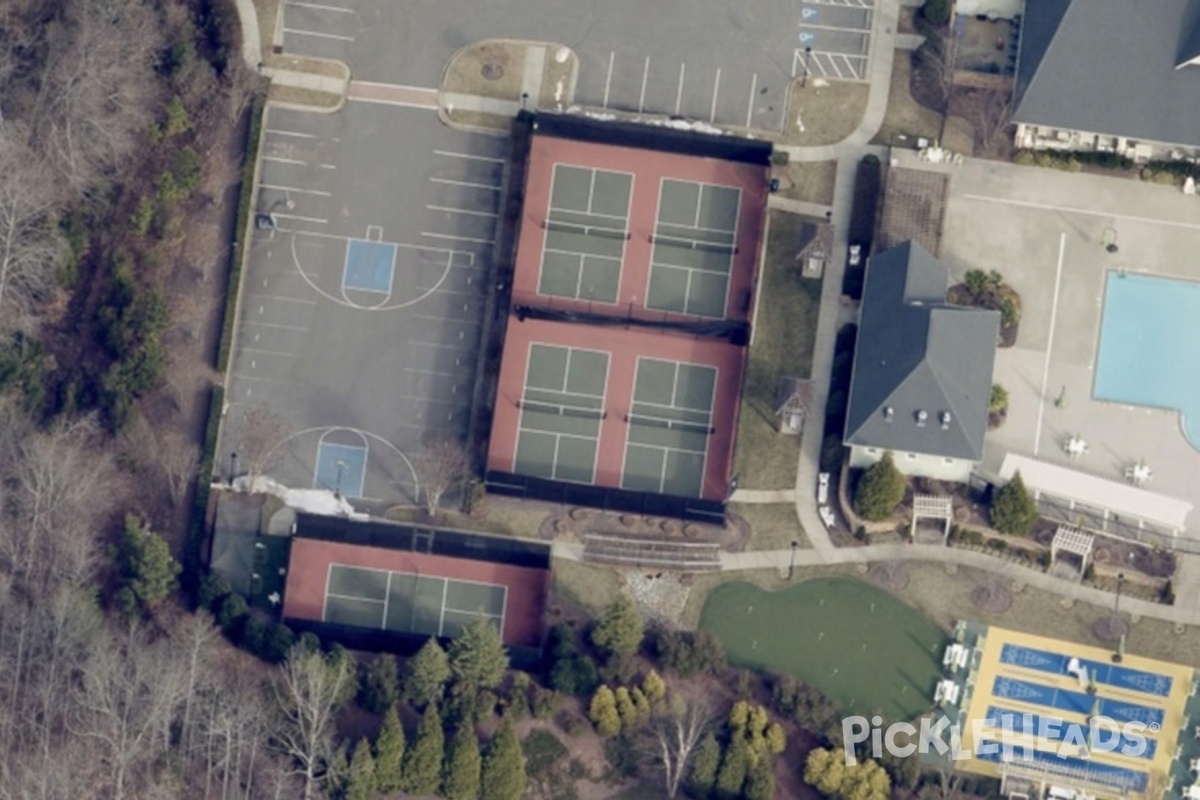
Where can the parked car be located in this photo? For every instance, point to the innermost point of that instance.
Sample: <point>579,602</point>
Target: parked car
<point>823,488</point>
<point>855,255</point>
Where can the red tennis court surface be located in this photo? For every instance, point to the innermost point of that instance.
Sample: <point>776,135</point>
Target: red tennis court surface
<point>632,292</point>
<point>309,571</point>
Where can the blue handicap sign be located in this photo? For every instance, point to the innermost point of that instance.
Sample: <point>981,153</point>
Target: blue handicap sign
<point>806,38</point>
<point>808,13</point>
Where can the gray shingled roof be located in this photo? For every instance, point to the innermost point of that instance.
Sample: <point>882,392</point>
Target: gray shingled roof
<point>916,353</point>
<point>1109,66</point>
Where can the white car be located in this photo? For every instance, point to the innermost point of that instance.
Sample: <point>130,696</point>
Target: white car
<point>855,255</point>
<point>826,514</point>
<point>823,488</point>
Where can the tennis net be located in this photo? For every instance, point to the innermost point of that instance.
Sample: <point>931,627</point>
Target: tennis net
<point>561,410</point>
<point>694,244</point>
<point>650,421</point>
<point>587,230</point>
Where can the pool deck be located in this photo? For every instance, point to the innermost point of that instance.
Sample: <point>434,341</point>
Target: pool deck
<point>1046,232</point>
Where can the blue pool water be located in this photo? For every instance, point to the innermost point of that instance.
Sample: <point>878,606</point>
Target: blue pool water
<point>1148,354</point>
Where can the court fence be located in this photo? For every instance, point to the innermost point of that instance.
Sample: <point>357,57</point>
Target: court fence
<point>529,306</point>
<point>693,509</point>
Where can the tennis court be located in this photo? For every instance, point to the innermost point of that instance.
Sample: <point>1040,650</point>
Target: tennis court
<point>407,602</point>
<point>370,263</point>
<point>587,225</point>
<point>695,240</point>
<point>670,422</point>
<point>562,406</point>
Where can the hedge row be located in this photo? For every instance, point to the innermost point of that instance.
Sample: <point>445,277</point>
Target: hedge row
<point>241,231</point>
<point>1072,160</point>
<point>193,553</point>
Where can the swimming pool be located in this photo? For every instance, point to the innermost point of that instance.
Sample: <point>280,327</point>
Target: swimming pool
<point>1148,354</point>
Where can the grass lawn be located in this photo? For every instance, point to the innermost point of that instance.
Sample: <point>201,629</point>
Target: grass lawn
<point>491,68</point>
<point>826,114</point>
<point>773,526</point>
<point>904,114</point>
<point>811,181</point>
<point>785,326</point>
<point>863,648</point>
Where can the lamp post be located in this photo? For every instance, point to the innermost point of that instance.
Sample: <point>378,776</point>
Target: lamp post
<point>1117,625</point>
<point>807,55</point>
<point>792,563</point>
<point>232,467</point>
<point>524,99</point>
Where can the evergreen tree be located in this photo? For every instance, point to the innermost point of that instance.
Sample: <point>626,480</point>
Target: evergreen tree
<point>625,708</point>
<point>620,630</point>
<point>461,777</point>
<point>603,712</point>
<point>640,704</point>
<point>1013,511</point>
<point>866,780</point>
<point>880,490</point>
<point>360,781</point>
<point>654,688</point>
<point>341,658</point>
<point>705,763</point>
<point>381,688</point>
<point>423,762</point>
<point>145,567</point>
<point>426,673</point>
<point>503,772</point>
<point>478,659</point>
<point>760,784</point>
<point>389,753</point>
<point>734,767</point>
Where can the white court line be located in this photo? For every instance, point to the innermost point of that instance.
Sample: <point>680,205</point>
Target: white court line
<point>1085,211</point>
<point>291,133</point>
<point>452,236</point>
<point>336,9</point>
<point>608,78</point>
<point>337,36</point>
<point>463,211</point>
<point>294,189</point>
<point>355,598</point>
<point>750,108</point>
<point>279,160</point>
<point>1062,246</point>
<point>712,114</point>
<point>679,93</point>
<point>468,156</point>
<point>645,75</point>
<point>302,219</point>
<point>466,183</point>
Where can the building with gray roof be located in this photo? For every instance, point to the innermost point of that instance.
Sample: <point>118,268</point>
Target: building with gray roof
<point>922,374</point>
<point>1120,76</point>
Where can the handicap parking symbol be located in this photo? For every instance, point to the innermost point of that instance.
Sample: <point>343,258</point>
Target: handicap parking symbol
<point>807,38</point>
<point>808,13</point>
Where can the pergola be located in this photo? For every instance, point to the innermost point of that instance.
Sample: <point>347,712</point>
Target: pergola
<point>932,506</point>
<point>1069,539</point>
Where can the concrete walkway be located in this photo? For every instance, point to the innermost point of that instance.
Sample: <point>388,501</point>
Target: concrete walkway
<point>308,80</point>
<point>251,41</point>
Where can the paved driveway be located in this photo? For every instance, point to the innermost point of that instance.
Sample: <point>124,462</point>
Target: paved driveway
<point>708,60</point>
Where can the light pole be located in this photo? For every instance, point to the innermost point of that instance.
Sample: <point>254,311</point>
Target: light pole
<point>792,563</point>
<point>1117,624</point>
<point>524,99</point>
<point>232,467</point>
<point>807,55</point>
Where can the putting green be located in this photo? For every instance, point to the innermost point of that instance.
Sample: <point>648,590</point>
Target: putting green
<point>867,651</point>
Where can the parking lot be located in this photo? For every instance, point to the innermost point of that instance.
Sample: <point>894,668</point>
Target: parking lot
<point>698,59</point>
<point>361,313</point>
<point>833,39</point>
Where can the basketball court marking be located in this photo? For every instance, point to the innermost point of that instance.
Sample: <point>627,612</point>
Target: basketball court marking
<point>340,468</point>
<point>561,408</point>
<point>370,265</point>
<point>695,240</point>
<point>587,226</point>
<point>670,426</point>
<point>409,602</point>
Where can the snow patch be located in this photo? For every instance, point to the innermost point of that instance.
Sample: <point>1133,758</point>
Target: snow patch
<point>311,501</point>
<point>558,91</point>
<point>820,83</point>
<point>562,54</point>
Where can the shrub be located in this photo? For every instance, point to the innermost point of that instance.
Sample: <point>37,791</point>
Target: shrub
<point>1013,511</point>
<point>213,588</point>
<point>880,490</point>
<point>1166,594</point>
<point>936,12</point>
<point>998,400</point>
<point>780,158</point>
<point>688,652</point>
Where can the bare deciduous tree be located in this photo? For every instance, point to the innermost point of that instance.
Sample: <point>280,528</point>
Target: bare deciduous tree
<point>30,247</point>
<point>675,734</point>
<point>440,465</point>
<point>179,460</point>
<point>260,439</point>
<point>307,695</point>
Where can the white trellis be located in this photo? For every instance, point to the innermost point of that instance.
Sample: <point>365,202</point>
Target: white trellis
<point>932,506</point>
<point>1069,539</point>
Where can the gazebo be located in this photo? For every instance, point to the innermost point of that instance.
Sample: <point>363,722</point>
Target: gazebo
<point>1069,539</point>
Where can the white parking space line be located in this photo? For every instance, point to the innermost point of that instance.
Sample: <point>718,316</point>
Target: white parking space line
<point>318,7</point>
<point>750,106</point>
<point>291,133</point>
<point>645,75</point>
<point>468,156</point>
<point>294,189</point>
<point>847,28</point>
<point>319,220</point>
<point>270,352</point>
<point>281,160</point>
<point>608,78</point>
<point>679,94</point>
<point>245,376</point>
<point>462,211</point>
<point>257,324</point>
<point>301,300</point>
<point>836,68</point>
<point>455,236</point>
<point>451,182</point>
<point>319,35</point>
<point>712,114</point>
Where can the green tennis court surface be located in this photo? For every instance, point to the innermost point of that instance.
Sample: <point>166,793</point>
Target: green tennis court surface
<point>863,648</point>
<point>670,422</point>
<point>694,243</point>
<point>409,603</point>
<point>561,409</point>
<point>586,230</point>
